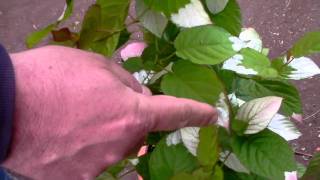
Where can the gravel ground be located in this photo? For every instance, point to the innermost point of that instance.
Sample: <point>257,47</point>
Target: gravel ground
<point>280,23</point>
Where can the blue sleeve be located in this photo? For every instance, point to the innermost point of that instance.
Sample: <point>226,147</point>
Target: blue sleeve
<point>7,95</point>
<point>4,175</point>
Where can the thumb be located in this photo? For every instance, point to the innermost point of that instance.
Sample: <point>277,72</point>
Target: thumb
<point>168,113</point>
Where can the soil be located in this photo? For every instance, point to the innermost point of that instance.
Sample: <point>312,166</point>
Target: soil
<point>280,23</point>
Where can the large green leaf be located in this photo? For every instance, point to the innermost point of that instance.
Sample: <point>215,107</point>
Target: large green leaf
<point>90,25</point>
<point>167,161</point>
<point>265,154</point>
<point>229,18</point>
<point>248,89</point>
<point>307,45</point>
<point>192,81</point>
<point>313,170</point>
<point>166,6</point>
<point>102,25</point>
<point>113,14</point>
<point>204,45</point>
<point>153,21</point>
<point>207,151</point>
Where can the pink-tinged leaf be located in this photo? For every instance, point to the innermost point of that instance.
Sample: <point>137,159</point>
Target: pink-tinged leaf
<point>132,50</point>
<point>258,113</point>
<point>291,175</point>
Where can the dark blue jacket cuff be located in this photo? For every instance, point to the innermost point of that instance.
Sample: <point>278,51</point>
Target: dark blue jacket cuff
<point>4,175</point>
<point>7,95</point>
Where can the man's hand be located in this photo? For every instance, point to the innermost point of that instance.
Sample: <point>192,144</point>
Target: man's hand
<point>77,113</point>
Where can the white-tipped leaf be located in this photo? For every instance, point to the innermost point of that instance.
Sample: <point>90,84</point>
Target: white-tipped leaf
<point>251,38</point>
<point>236,64</point>
<point>284,127</point>
<point>216,6</point>
<point>232,162</point>
<point>190,138</point>
<point>193,14</point>
<point>173,138</point>
<point>303,68</point>
<point>248,38</point>
<point>258,113</point>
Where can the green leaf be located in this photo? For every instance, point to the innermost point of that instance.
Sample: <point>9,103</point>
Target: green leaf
<point>124,37</point>
<point>229,18</point>
<point>102,25</point>
<point>307,45</point>
<point>248,89</point>
<point>313,169</point>
<point>207,151</point>
<point>143,166</point>
<point>192,81</point>
<point>258,62</point>
<point>265,154</point>
<point>158,54</point>
<point>204,45</point>
<point>218,173</point>
<point>113,14</point>
<point>283,69</point>
<point>153,21</point>
<point>106,46</point>
<point>90,24</point>
<point>35,37</point>
<point>133,65</point>
<point>166,6</point>
<point>183,176</point>
<point>167,161</point>
<point>232,175</point>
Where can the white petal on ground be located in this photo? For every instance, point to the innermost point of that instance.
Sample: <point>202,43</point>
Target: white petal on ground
<point>237,44</point>
<point>143,76</point>
<point>304,68</point>
<point>223,112</point>
<point>173,138</point>
<point>233,162</point>
<point>193,14</point>
<point>291,175</point>
<point>251,39</point>
<point>284,127</point>
<point>235,64</point>
<point>216,6</point>
<point>190,138</point>
<point>258,113</point>
<point>132,50</point>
